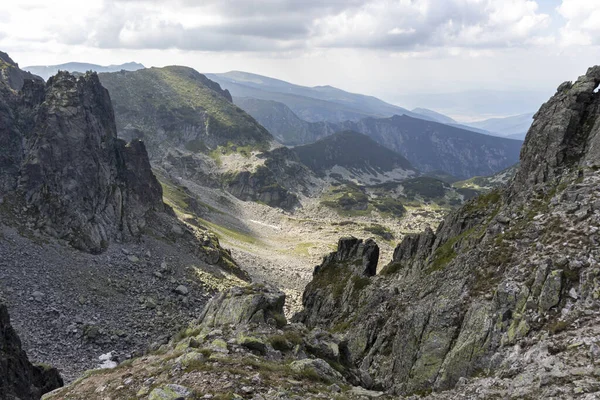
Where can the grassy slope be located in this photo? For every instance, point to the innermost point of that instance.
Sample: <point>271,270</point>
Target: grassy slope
<point>176,96</point>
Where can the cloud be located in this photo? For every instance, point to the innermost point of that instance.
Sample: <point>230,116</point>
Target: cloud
<point>285,25</point>
<point>583,22</point>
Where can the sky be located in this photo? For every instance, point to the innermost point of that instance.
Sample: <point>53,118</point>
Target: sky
<point>388,48</point>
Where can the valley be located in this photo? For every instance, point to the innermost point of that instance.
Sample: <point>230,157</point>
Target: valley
<point>162,239</point>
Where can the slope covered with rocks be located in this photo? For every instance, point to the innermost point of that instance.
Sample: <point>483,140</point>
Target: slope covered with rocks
<point>91,259</point>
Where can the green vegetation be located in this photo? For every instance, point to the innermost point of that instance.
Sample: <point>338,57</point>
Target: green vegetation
<point>348,200</point>
<point>425,187</point>
<point>391,268</point>
<point>389,207</point>
<point>380,231</point>
<point>444,254</point>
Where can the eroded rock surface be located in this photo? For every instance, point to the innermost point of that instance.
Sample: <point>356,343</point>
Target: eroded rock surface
<point>19,379</point>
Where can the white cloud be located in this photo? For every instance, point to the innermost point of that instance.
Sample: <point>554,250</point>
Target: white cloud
<point>583,22</point>
<point>403,25</point>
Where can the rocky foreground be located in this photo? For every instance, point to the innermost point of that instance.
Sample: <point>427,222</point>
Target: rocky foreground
<point>502,301</point>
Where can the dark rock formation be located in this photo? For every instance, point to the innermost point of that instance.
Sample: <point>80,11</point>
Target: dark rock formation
<point>78,181</point>
<point>564,133</point>
<point>260,185</point>
<point>19,379</point>
<point>12,75</point>
<point>338,282</point>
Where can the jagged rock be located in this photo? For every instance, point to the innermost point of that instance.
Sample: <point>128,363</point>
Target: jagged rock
<point>77,180</point>
<point>257,303</point>
<point>564,133</point>
<point>317,367</point>
<point>550,295</point>
<point>12,75</point>
<point>490,282</point>
<point>170,392</point>
<point>19,379</point>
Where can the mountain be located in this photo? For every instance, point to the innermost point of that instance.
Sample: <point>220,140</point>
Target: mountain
<point>91,257</point>
<point>46,71</point>
<point>431,146</point>
<point>282,123</point>
<point>11,74</point>
<point>177,106</point>
<point>434,115</point>
<point>428,145</point>
<point>498,292</point>
<point>352,152</point>
<point>312,104</point>
<point>514,127</point>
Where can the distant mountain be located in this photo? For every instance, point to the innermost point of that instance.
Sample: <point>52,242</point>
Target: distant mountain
<point>431,146</point>
<point>46,71</point>
<point>434,116</point>
<point>312,104</point>
<point>514,127</point>
<point>179,107</point>
<point>283,123</point>
<point>475,103</point>
<point>353,152</point>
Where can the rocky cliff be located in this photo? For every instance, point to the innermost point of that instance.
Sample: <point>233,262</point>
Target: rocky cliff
<point>12,75</point>
<point>502,298</point>
<point>19,379</point>
<point>63,160</point>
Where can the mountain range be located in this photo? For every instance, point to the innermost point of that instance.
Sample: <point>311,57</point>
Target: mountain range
<point>110,253</point>
<point>46,71</point>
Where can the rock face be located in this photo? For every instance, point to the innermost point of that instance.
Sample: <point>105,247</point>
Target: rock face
<point>503,290</point>
<point>63,160</point>
<point>338,282</point>
<point>19,379</point>
<point>12,75</point>
<point>240,306</point>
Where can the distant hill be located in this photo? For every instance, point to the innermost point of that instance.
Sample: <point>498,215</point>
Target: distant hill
<point>178,106</point>
<point>283,123</point>
<point>354,152</point>
<point>431,146</point>
<point>46,71</point>
<point>514,127</point>
<point>311,104</point>
<point>434,116</point>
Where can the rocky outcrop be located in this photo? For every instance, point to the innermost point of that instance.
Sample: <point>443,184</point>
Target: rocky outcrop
<point>12,75</point>
<point>63,160</point>
<point>338,282</point>
<point>19,379</point>
<point>502,291</point>
<point>239,306</point>
<point>260,185</point>
<point>564,134</point>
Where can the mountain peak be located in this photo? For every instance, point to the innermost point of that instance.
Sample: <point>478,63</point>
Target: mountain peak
<point>565,132</point>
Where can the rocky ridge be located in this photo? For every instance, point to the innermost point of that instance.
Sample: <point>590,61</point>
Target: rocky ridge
<point>90,257</point>
<point>504,288</point>
<point>19,379</point>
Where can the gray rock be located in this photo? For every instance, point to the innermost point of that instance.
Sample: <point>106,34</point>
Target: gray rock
<point>182,290</point>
